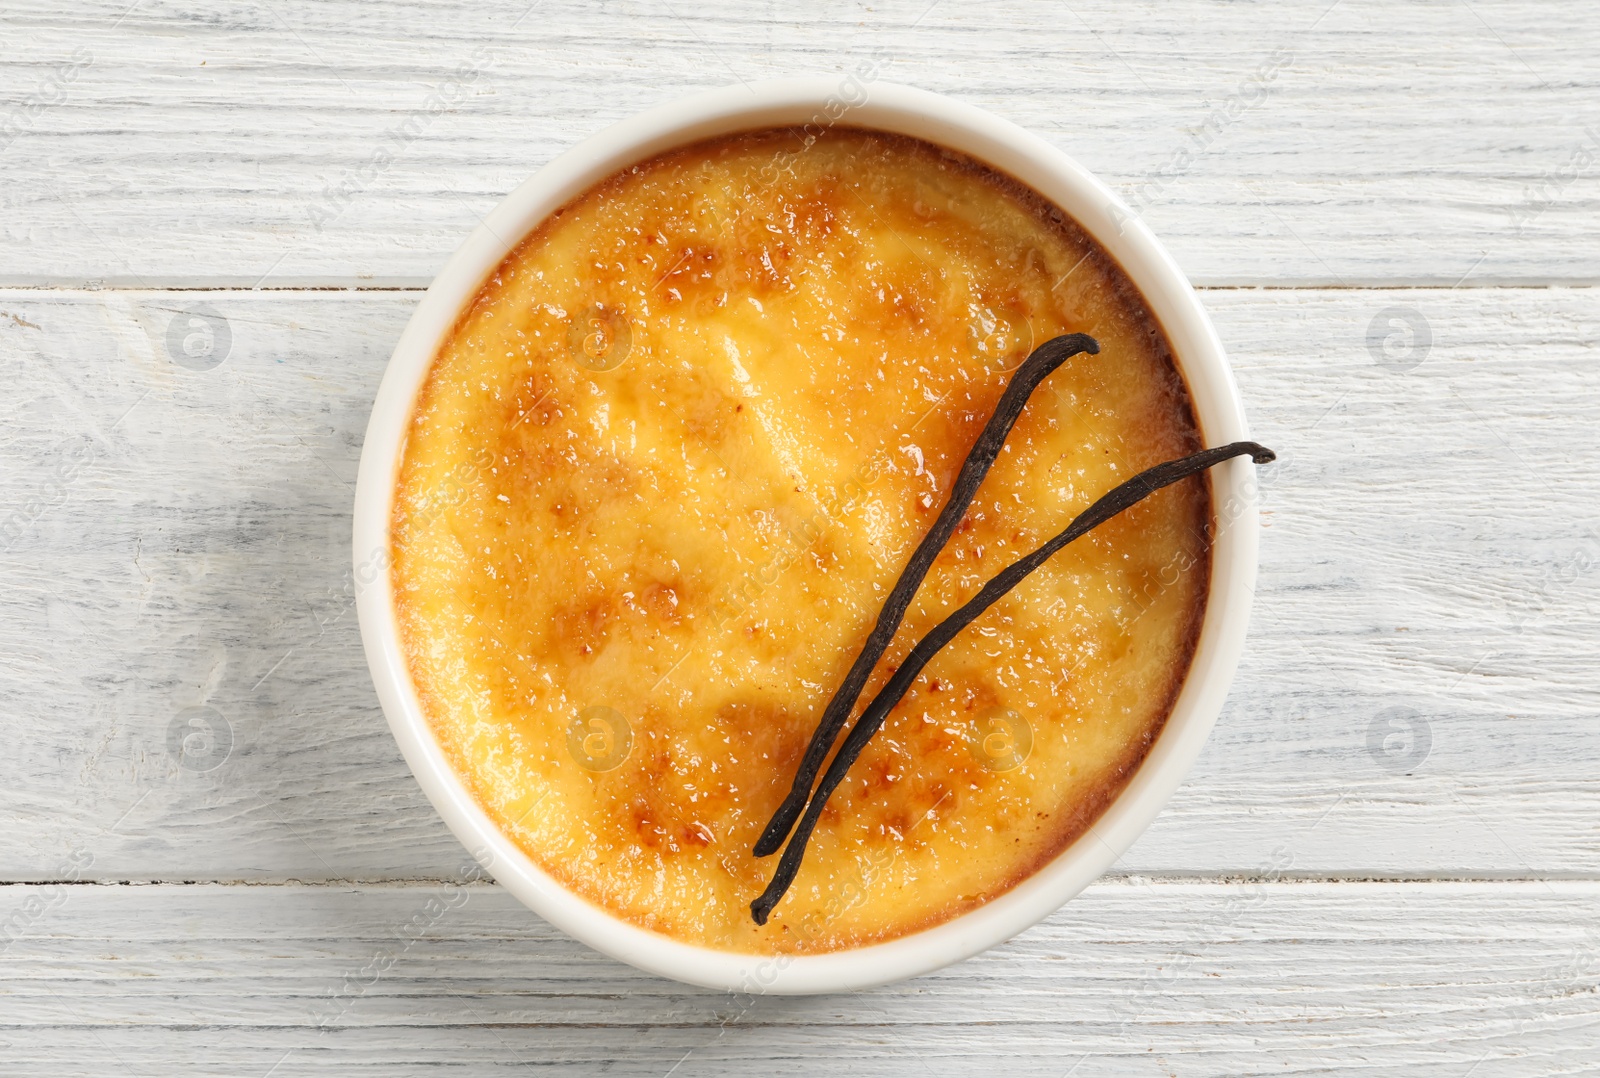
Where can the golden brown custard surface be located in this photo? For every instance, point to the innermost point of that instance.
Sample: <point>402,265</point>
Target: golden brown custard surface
<point>666,469</point>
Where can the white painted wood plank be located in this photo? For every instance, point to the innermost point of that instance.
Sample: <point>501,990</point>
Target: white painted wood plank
<point>1431,545</point>
<point>174,539</point>
<point>1133,978</point>
<point>1423,142</point>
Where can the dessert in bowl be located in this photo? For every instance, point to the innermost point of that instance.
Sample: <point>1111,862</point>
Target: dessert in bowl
<point>649,460</point>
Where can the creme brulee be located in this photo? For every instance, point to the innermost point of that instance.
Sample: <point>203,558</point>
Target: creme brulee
<point>667,467</point>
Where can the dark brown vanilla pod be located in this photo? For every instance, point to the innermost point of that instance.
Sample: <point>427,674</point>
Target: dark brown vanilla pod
<point>1039,364</point>
<point>1121,497</point>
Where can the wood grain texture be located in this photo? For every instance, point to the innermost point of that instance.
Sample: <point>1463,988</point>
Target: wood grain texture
<point>290,142</point>
<point>1430,544</point>
<point>1417,714</point>
<point>1134,978</point>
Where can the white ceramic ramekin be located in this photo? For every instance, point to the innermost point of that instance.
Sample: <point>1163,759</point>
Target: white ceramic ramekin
<point>819,102</point>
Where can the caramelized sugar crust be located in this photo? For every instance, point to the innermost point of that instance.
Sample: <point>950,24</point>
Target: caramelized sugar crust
<point>671,461</point>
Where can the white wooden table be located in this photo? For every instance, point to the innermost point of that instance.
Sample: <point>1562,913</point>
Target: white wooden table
<point>216,221</point>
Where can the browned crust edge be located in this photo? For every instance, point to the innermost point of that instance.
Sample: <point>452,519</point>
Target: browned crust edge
<point>1085,812</point>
